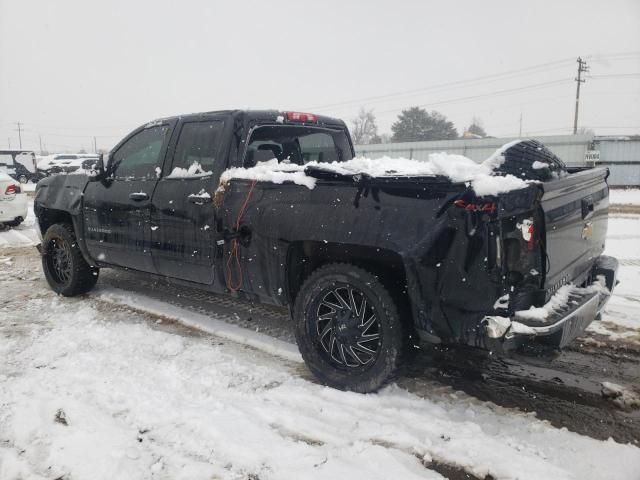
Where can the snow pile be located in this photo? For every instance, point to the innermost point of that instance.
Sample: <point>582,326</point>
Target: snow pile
<point>560,299</point>
<point>201,194</point>
<point>497,158</point>
<point>271,171</point>
<point>455,167</point>
<point>195,170</point>
<point>539,165</point>
<point>459,169</point>
<point>621,396</point>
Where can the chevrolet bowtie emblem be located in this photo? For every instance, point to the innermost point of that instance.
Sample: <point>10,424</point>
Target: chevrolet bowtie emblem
<point>587,231</point>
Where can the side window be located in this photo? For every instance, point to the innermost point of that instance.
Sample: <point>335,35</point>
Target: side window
<point>139,157</point>
<point>196,149</point>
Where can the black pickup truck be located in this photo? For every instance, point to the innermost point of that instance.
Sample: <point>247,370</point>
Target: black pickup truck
<point>368,265</point>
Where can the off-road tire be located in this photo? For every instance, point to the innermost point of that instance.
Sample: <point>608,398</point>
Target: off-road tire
<point>519,160</point>
<point>391,343</point>
<point>82,277</point>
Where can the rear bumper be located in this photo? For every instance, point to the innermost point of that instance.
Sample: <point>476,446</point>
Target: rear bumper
<point>13,207</point>
<point>562,324</point>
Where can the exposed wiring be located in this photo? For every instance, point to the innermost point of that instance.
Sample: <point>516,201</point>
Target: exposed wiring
<point>233,262</point>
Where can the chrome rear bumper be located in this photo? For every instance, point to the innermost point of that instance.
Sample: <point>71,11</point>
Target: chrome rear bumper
<point>564,323</point>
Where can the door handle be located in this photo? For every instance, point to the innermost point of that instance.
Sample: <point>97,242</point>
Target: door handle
<point>138,196</point>
<point>200,199</point>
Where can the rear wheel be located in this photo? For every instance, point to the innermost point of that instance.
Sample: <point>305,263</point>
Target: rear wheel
<point>348,328</point>
<point>65,269</point>
<point>23,179</point>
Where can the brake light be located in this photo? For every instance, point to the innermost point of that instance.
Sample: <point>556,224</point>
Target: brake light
<point>12,190</point>
<point>301,117</point>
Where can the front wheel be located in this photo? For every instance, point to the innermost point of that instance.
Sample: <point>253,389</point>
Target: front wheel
<point>65,269</point>
<point>348,328</point>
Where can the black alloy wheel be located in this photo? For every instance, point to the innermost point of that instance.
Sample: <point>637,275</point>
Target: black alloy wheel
<point>348,328</point>
<point>59,259</point>
<point>65,269</point>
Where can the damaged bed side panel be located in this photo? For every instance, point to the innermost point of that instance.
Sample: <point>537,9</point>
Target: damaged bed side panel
<point>447,252</point>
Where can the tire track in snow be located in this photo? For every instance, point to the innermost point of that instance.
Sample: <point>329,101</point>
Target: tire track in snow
<point>566,391</point>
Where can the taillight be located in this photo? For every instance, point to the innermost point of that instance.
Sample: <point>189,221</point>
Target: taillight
<point>301,117</point>
<point>12,190</point>
<point>528,233</point>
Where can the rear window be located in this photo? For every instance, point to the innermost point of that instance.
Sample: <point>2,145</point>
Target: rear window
<point>299,145</point>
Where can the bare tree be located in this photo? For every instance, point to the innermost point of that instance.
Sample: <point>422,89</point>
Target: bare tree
<point>365,130</point>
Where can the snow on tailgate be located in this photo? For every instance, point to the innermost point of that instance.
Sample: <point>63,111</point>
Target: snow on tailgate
<point>457,168</point>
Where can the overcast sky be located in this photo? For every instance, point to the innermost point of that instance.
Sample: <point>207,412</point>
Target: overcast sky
<point>72,69</point>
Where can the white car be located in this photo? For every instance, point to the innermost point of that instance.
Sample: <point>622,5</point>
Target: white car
<point>13,203</point>
<point>66,162</point>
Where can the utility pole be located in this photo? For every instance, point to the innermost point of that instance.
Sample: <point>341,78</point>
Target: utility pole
<point>40,139</point>
<point>9,139</point>
<point>582,67</point>
<point>19,133</point>
<point>95,145</point>
<point>520,134</point>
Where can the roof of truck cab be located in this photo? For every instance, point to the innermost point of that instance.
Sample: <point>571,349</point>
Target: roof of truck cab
<point>266,116</point>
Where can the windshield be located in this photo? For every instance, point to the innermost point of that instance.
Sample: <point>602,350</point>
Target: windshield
<point>299,145</point>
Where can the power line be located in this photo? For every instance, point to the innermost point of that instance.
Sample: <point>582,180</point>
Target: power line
<point>88,135</point>
<point>614,75</point>
<point>482,79</point>
<point>485,95</point>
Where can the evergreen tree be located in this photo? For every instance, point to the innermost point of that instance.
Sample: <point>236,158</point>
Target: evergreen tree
<point>416,124</point>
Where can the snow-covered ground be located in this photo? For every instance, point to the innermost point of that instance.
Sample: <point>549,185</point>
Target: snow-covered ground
<point>23,235</point>
<point>94,388</point>
<point>624,196</point>
<point>92,391</point>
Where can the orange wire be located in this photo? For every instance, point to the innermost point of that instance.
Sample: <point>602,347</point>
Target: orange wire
<point>234,252</point>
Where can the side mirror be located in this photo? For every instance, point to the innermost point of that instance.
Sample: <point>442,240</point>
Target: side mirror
<point>99,171</point>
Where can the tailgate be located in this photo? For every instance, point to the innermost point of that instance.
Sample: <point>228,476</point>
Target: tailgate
<point>575,212</point>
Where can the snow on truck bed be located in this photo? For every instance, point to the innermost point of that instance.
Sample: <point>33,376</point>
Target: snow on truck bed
<point>458,168</point>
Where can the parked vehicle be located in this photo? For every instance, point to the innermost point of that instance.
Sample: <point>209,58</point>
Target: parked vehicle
<point>13,203</point>
<point>20,165</point>
<point>67,162</point>
<point>366,263</point>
